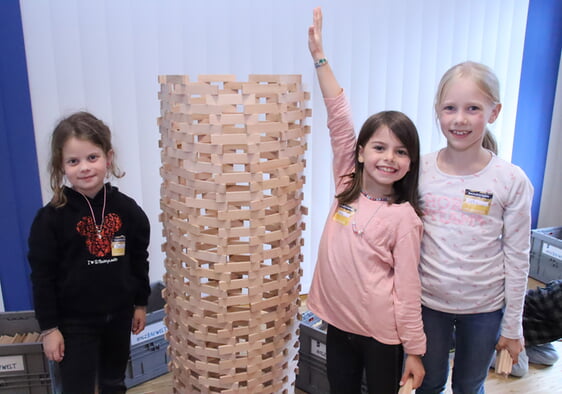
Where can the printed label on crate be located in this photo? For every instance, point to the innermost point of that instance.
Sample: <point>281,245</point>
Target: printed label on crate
<point>552,251</point>
<point>11,364</point>
<point>318,348</point>
<point>150,332</point>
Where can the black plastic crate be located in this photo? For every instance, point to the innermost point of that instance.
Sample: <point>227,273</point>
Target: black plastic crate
<point>546,254</point>
<point>24,369</point>
<point>313,337</point>
<point>313,377</point>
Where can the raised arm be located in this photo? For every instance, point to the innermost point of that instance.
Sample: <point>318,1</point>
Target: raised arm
<point>326,78</point>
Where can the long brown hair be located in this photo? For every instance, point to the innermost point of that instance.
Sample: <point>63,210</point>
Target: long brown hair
<point>84,126</point>
<point>405,189</point>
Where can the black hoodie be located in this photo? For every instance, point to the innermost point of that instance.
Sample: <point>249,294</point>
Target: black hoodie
<point>74,272</point>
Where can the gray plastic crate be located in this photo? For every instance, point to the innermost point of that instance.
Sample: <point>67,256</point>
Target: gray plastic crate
<point>23,367</point>
<point>25,370</point>
<point>546,254</point>
<point>149,356</point>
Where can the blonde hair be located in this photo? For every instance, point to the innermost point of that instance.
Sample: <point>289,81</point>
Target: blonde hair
<point>484,78</point>
<point>84,126</point>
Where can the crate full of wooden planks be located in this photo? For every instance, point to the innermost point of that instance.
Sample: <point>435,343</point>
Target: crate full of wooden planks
<point>23,367</point>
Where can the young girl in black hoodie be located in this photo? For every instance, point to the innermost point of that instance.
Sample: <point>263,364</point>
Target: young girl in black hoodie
<point>89,261</point>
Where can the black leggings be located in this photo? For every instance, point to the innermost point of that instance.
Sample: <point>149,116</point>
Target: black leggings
<point>348,355</point>
<point>96,348</point>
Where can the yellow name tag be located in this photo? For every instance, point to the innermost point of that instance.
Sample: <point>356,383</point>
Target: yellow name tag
<point>343,214</point>
<point>118,246</point>
<point>477,202</point>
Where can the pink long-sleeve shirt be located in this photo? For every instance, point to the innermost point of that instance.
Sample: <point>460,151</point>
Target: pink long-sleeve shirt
<point>367,284</point>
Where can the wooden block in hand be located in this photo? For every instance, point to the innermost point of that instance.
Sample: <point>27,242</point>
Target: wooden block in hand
<point>408,386</point>
<point>504,362</point>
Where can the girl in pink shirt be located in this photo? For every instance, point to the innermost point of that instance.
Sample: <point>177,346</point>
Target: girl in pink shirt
<point>366,284</point>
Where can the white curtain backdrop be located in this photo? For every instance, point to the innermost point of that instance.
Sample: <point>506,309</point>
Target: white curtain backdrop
<point>104,56</point>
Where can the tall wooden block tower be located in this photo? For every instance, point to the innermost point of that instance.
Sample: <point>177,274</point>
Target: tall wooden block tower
<point>232,169</point>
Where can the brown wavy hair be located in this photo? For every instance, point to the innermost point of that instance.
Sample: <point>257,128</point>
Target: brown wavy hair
<point>83,126</point>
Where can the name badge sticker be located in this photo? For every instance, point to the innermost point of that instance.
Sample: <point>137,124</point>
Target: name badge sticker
<point>343,214</point>
<point>318,348</point>
<point>118,246</point>
<point>477,202</point>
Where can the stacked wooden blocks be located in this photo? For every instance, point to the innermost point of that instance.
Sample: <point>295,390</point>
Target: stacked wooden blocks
<point>232,169</point>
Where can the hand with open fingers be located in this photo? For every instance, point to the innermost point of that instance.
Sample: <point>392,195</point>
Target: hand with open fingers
<point>513,346</point>
<point>413,368</point>
<point>315,35</point>
<point>139,320</point>
<point>53,345</point>
<point>326,78</point>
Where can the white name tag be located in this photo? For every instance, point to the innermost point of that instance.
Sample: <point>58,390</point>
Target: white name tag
<point>11,364</point>
<point>318,348</point>
<point>552,251</point>
<point>150,332</point>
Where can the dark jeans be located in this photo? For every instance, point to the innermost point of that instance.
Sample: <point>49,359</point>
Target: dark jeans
<point>348,355</point>
<point>96,348</point>
<point>475,337</point>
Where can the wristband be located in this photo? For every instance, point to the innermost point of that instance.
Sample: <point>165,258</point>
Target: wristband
<point>320,62</point>
<point>47,332</point>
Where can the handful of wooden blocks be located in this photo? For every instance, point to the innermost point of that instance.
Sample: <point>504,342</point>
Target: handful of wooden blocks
<point>504,362</point>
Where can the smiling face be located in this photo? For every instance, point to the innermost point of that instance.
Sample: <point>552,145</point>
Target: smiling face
<point>385,160</point>
<point>464,112</point>
<point>85,165</point>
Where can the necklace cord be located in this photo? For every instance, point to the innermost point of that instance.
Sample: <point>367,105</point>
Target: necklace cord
<point>353,223</point>
<point>100,227</point>
<point>364,193</point>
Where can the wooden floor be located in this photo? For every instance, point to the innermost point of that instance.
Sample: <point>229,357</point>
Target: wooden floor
<point>539,379</point>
